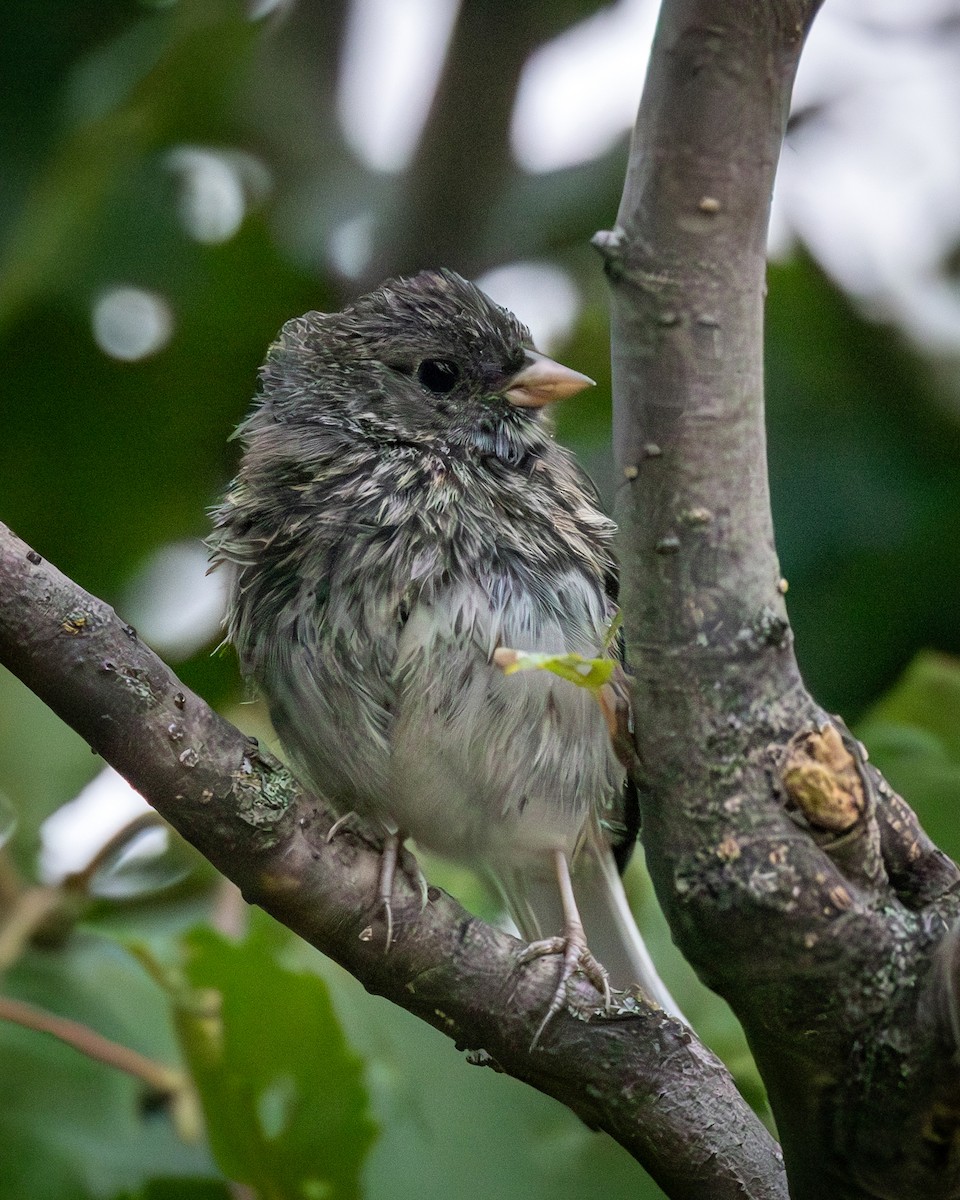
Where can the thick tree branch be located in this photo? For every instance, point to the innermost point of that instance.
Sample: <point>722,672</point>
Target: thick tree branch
<point>800,887</point>
<point>642,1077</point>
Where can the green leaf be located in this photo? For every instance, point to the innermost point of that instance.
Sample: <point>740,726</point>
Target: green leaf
<point>590,673</point>
<point>286,1107</point>
<point>180,1189</point>
<point>451,1131</point>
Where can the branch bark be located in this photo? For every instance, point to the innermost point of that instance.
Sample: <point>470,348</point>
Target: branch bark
<point>797,884</point>
<point>642,1077</point>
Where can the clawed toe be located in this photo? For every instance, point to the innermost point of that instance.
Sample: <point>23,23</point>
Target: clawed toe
<point>576,957</point>
<point>411,868</point>
<point>339,823</point>
<point>395,854</point>
<point>572,946</point>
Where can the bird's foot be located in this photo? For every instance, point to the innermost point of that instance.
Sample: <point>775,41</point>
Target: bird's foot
<point>395,854</point>
<point>572,946</point>
<point>577,957</point>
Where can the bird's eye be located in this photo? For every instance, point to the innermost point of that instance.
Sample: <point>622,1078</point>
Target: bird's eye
<point>438,374</point>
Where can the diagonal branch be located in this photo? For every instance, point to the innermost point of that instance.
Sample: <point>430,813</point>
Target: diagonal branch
<point>642,1077</point>
<point>161,1078</point>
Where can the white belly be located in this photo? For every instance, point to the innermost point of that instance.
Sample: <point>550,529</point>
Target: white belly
<point>493,767</point>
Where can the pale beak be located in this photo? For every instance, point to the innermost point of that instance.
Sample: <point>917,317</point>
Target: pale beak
<point>542,381</point>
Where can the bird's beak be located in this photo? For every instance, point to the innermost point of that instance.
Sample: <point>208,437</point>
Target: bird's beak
<point>542,381</point>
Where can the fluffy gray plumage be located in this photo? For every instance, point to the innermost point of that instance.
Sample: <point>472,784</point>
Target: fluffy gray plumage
<point>396,519</point>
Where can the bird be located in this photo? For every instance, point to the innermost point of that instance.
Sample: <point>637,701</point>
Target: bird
<point>401,516</point>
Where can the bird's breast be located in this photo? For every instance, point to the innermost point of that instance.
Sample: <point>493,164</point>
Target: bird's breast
<point>485,765</point>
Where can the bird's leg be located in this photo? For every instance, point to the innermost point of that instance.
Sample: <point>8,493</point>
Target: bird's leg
<point>395,853</point>
<point>572,945</point>
<point>388,870</point>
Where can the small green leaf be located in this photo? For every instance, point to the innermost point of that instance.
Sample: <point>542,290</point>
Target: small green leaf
<point>590,673</point>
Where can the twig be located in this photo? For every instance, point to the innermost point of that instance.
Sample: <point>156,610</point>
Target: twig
<point>160,1078</point>
<point>33,909</point>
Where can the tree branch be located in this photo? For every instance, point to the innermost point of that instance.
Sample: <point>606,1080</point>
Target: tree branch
<point>641,1076</point>
<point>797,884</point>
<point>94,1045</point>
<point>463,159</point>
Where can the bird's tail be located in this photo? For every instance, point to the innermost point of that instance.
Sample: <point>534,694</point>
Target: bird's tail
<point>611,932</point>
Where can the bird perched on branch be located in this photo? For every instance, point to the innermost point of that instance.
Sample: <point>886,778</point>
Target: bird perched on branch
<point>401,513</point>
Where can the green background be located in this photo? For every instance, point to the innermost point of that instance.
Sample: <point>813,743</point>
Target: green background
<point>309,1087</point>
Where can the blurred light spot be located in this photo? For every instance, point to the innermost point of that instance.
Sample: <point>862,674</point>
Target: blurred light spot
<point>211,201</point>
<point>148,862</point>
<point>216,189</point>
<point>277,1106</point>
<point>173,603</point>
<point>579,93</point>
<point>71,837</point>
<point>393,53</point>
<point>258,9</point>
<point>9,819</point>
<point>130,323</point>
<point>542,295</point>
<point>351,244</point>
<point>869,177</point>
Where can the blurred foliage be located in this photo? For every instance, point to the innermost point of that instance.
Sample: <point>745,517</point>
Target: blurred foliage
<point>865,479</point>
<point>103,461</point>
<point>913,734</point>
<point>70,1127</point>
<point>282,1093</point>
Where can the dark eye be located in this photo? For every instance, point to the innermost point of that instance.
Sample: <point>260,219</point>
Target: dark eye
<point>438,374</point>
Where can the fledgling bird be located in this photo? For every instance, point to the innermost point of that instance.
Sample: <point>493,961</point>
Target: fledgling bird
<point>401,512</point>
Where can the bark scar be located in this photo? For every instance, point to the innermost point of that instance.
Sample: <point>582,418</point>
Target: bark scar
<point>822,778</point>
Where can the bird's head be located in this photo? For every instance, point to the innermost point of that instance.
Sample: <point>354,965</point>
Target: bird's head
<point>425,359</point>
